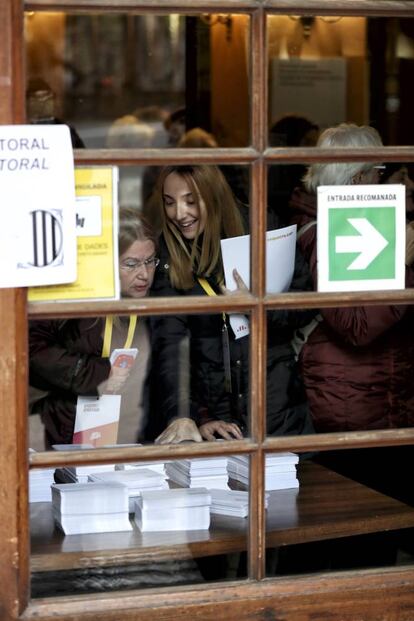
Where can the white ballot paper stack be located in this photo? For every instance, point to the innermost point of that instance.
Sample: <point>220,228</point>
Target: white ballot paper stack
<point>39,483</point>
<point>78,474</point>
<point>210,472</point>
<point>134,480</point>
<point>280,266</point>
<point>173,509</point>
<point>155,466</point>
<point>280,470</point>
<point>234,503</point>
<point>80,508</point>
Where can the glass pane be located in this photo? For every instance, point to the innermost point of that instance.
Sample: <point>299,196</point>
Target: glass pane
<point>292,188</point>
<point>338,510</point>
<point>182,522</point>
<point>128,80</point>
<point>344,369</point>
<point>326,70</point>
<point>103,382</point>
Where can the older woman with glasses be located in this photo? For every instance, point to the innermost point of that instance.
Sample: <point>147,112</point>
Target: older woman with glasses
<point>356,362</point>
<point>71,358</point>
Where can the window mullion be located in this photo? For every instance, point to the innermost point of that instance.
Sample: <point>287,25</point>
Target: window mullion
<point>14,532</point>
<point>258,202</point>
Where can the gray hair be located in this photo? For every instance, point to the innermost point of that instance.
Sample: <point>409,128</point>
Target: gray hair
<point>343,135</point>
<point>133,226</point>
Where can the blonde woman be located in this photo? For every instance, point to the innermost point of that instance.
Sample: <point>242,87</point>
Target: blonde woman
<point>193,208</point>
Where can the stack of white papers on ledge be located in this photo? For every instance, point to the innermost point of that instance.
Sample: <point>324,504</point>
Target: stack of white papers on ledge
<point>135,482</point>
<point>231,502</point>
<point>40,481</point>
<point>280,470</point>
<point>173,509</point>
<point>80,508</point>
<point>209,472</point>
<point>80,474</point>
<point>156,466</point>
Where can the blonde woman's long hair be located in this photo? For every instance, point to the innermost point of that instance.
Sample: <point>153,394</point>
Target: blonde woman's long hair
<point>201,256</point>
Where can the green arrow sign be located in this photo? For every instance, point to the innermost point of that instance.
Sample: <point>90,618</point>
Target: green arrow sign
<point>361,237</point>
<point>361,243</point>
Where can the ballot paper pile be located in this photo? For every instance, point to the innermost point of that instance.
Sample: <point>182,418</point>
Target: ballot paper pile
<point>80,474</point>
<point>135,481</point>
<point>40,481</point>
<point>280,470</point>
<point>231,502</point>
<point>210,472</point>
<point>156,466</point>
<point>80,508</point>
<point>173,509</point>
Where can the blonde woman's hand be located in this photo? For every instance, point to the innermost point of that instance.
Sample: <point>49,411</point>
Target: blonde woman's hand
<point>241,285</point>
<point>180,430</point>
<point>228,431</point>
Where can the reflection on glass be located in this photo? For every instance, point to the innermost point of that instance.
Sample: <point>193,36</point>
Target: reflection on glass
<point>73,362</point>
<point>321,73</point>
<point>317,528</point>
<point>194,208</point>
<point>355,366</point>
<point>354,361</point>
<point>169,512</point>
<point>138,81</point>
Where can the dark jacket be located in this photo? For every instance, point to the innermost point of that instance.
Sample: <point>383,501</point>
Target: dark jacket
<point>286,405</point>
<point>357,363</point>
<point>65,361</point>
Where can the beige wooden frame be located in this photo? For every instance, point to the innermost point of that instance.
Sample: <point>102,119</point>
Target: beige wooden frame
<point>385,594</point>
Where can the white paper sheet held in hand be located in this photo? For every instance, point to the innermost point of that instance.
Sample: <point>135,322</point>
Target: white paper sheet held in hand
<point>280,265</point>
<point>38,233</point>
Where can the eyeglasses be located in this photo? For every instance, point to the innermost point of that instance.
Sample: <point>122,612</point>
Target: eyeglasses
<point>132,265</point>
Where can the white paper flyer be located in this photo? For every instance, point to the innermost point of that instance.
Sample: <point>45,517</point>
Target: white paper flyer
<point>280,265</point>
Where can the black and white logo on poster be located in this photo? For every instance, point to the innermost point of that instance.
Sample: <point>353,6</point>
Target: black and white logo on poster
<point>46,239</point>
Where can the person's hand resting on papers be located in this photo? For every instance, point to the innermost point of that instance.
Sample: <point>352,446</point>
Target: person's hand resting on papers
<point>214,428</point>
<point>180,430</point>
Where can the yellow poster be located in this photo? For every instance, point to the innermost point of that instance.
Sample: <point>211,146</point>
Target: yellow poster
<point>97,244</point>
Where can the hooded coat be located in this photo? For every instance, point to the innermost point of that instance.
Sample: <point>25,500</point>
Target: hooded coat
<point>357,363</point>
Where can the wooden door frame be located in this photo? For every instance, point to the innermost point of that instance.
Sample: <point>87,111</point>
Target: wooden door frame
<point>376,594</point>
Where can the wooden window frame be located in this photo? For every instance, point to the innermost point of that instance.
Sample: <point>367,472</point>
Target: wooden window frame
<point>375,594</point>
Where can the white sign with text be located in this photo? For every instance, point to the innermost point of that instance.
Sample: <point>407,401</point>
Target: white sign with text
<point>37,233</point>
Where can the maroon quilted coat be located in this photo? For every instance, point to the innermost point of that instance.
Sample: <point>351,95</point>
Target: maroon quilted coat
<point>358,363</point>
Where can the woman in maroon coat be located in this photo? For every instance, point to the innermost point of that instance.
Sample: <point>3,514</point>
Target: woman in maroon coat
<point>357,361</point>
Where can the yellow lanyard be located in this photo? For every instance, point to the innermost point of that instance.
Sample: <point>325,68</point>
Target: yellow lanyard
<point>209,290</point>
<point>109,322</point>
<point>224,336</point>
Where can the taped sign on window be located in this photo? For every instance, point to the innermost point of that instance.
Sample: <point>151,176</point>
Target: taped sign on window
<point>37,235</point>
